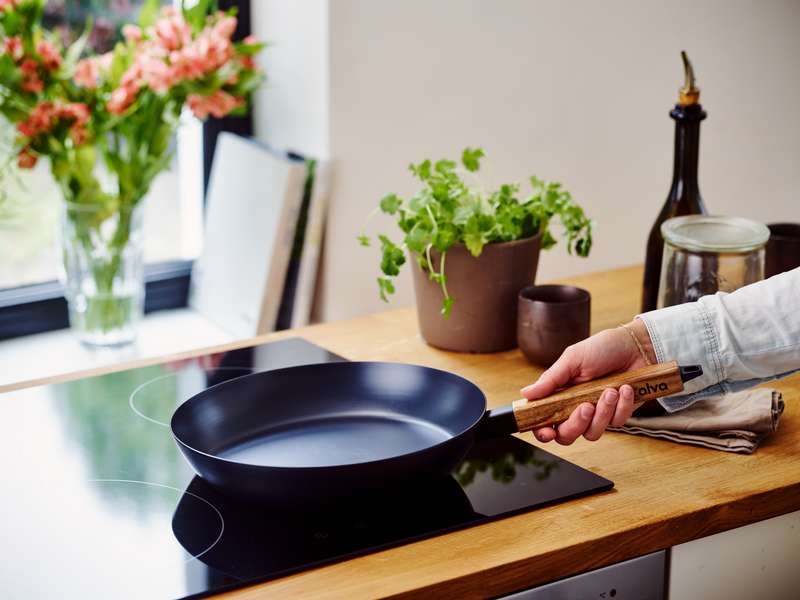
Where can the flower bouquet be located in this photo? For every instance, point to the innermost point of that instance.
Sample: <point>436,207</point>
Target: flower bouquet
<point>105,123</point>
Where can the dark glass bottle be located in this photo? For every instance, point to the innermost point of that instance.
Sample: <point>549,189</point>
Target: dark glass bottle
<point>684,194</point>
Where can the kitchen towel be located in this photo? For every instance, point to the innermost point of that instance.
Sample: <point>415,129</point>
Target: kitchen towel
<point>730,422</point>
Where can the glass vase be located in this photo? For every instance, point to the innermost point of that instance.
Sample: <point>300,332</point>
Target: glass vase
<point>103,273</point>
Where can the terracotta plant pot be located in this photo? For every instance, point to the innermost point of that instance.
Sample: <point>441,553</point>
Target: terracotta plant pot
<point>484,315</point>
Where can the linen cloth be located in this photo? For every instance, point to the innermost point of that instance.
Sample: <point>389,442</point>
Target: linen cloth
<point>736,422</point>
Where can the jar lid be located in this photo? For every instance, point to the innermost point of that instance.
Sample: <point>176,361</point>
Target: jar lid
<point>711,233</point>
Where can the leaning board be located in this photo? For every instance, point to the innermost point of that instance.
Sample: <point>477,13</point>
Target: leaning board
<point>254,196</point>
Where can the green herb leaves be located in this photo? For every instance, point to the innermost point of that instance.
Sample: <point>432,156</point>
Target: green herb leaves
<point>390,203</point>
<point>549,200</point>
<point>471,159</point>
<point>448,211</point>
<point>392,258</point>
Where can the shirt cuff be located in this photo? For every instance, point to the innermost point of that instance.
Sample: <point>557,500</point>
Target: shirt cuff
<point>686,333</point>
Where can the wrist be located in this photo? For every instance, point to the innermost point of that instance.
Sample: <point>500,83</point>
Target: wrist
<point>639,331</point>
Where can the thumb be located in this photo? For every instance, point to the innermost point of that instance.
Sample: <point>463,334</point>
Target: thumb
<point>557,376</point>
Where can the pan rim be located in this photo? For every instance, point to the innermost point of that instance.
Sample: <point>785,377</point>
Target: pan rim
<point>457,436</point>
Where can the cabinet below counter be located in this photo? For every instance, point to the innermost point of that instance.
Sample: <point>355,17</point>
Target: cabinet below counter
<point>755,561</point>
<point>642,578</point>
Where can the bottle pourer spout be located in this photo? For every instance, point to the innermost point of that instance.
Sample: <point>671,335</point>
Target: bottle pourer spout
<point>689,93</point>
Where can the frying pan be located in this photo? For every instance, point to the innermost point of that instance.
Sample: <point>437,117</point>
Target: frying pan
<point>328,431</point>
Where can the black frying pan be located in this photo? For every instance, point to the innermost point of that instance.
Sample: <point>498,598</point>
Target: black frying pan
<point>327,431</point>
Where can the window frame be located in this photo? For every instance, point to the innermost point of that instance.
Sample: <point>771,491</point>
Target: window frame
<point>41,307</point>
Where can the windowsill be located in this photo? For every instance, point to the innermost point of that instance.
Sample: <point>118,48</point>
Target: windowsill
<point>58,352</point>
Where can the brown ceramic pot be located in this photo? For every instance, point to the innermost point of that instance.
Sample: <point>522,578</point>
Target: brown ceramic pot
<point>552,317</point>
<point>484,315</point>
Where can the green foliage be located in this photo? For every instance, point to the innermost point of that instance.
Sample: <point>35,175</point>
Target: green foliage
<point>447,211</point>
<point>471,159</point>
<point>196,15</point>
<point>75,51</point>
<point>149,12</point>
<point>392,257</point>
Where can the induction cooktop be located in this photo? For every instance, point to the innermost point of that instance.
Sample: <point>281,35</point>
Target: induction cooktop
<point>98,501</point>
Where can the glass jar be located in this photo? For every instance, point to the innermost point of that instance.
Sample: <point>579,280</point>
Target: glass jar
<point>706,254</point>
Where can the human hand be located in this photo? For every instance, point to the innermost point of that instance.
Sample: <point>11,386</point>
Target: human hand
<point>610,351</point>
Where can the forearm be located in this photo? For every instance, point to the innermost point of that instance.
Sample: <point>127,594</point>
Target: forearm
<point>750,334</point>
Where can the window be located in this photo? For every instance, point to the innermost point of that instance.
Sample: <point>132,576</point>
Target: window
<point>31,300</point>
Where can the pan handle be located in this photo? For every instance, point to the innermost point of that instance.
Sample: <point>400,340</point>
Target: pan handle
<point>648,383</point>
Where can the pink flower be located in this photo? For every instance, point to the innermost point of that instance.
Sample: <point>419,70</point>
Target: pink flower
<point>78,112</point>
<point>157,75</point>
<point>26,159</point>
<point>172,32</point>
<point>78,134</point>
<point>218,104</point>
<point>29,66</point>
<point>26,129</point>
<point>204,55</point>
<point>121,99</point>
<point>250,40</point>
<point>188,63</point>
<point>87,72</point>
<point>133,76</point>
<point>51,59</point>
<point>44,116</point>
<point>13,47</point>
<point>225,26</point>
<point>40,120</point>
<point>104,61</point>
<point>247,62</point>
<point>33,84</point>
<point>132,33</point>
<point>8,4</point>
<point>75,110</point>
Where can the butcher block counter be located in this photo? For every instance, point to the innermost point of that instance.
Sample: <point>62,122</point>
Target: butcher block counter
<point>665,494</point>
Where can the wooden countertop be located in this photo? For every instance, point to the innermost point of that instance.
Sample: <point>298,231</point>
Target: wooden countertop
<point>665,493</point>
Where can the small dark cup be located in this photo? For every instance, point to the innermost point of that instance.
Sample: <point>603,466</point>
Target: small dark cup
<point>550,318</point>
<point>783,248</point>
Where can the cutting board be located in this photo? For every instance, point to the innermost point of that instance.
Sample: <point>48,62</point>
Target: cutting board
<point>252,205</point>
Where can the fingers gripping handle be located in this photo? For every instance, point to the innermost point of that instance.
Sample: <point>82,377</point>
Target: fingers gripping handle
<point>648,383</point>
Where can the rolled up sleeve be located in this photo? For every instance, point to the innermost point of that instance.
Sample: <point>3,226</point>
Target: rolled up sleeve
<point>740,339</point>
<point>686,334</point>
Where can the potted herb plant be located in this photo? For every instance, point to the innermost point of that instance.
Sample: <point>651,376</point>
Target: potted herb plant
<point>473,250</point>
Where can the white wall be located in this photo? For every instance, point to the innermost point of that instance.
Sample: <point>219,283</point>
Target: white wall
<point>290,111</point>
<point>574,91</point>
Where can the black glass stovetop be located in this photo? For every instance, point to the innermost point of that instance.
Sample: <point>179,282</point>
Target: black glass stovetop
<point>98,502</point>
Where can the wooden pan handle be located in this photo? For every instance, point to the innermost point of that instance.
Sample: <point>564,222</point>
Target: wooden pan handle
<point>648,383</point>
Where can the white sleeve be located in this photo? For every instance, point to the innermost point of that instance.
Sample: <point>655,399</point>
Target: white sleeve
<point>740,339</point>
